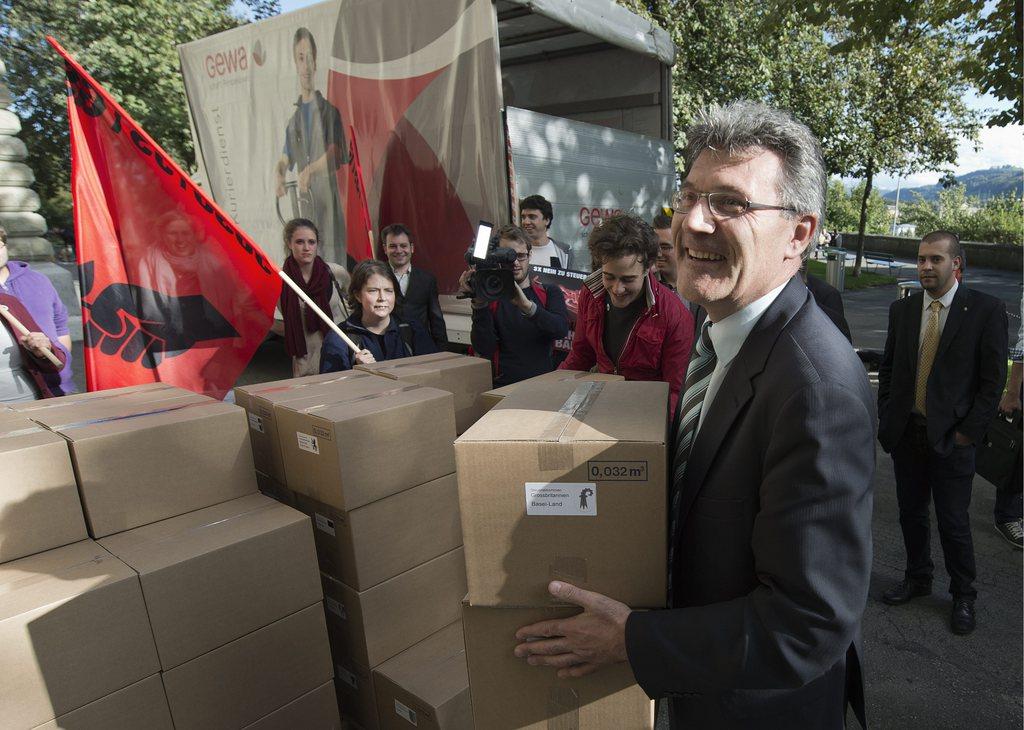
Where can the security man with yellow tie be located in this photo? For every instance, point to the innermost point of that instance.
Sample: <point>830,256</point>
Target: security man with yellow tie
<point>939,386</point>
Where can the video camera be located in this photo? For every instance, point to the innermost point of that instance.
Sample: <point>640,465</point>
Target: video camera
<point>493,279</point>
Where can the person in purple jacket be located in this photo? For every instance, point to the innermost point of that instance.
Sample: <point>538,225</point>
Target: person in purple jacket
<point>40,299</point>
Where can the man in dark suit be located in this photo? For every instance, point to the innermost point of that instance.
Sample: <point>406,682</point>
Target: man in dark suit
<point>417,288</point>
<point>770,538</point>
<point>939,385</point>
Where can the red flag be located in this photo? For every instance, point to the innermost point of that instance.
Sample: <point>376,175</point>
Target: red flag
<point>172,290</point>
<point>356,250</point>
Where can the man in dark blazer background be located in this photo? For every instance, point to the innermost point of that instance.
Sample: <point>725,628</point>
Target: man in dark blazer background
<point>827,297</point>
<point>417,288</point>
<point>939,386</point>
<point>770,538</point>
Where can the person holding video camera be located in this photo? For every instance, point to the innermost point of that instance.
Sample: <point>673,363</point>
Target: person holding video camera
<point>516,331</point>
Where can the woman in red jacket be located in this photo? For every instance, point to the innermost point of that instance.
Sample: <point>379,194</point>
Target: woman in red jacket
<point>628,323</point>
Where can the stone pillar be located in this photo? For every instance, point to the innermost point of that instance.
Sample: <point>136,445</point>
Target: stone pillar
<point>19,203</point>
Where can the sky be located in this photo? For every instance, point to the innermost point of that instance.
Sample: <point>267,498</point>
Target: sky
<point>998,145</point>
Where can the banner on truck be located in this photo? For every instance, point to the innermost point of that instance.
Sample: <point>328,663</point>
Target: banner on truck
<point>273,104</point>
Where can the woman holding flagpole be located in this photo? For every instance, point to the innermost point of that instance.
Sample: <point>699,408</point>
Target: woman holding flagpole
<point>302,329</point>
<point>373,325</point>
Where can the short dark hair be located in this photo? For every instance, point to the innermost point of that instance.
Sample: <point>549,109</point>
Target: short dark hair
<point>622,235</point>
<point>951,240</point>
<point>304,33</point>
<point>395,229</point>
<point>360,275</point>
<point>662,221</point>
<point>511,233</point>
<point>295,224</point>
<point>538,202</point>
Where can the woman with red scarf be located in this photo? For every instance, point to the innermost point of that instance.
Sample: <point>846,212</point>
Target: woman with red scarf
<point>323,282</point>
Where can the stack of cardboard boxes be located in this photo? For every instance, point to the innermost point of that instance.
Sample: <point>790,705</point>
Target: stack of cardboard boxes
<point>563,480</point>
<point>371,459</point>
<point>197,601</point>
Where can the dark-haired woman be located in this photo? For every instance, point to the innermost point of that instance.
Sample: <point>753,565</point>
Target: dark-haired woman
<point>302,329</point>
<point>373,326</point>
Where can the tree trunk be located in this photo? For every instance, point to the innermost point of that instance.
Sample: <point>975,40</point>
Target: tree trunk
<point>863,216</point>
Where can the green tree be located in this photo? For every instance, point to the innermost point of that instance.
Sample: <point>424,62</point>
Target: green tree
<point>129,47</point>
<point>998,220</point>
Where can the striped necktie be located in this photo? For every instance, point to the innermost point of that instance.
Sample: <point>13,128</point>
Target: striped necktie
<point>698,377</point>
<point>929,346</point>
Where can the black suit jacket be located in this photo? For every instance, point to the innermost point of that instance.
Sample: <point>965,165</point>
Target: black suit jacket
<point>771,537</point>
<point>420,303</point>
<point>831,302</point>
<point>967,376</point>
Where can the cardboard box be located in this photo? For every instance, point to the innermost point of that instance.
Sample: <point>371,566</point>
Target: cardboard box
<point>509,693</point>
<point>372,626</point>
<point>73,629</point>
<point>567,480</point>
<point>370,439</point>
<point>356,698</point>
<point>463,376</point>
<point>492,398</point>
<point>316,710</point>
<point>426,686</point>
<point>145,390</point>
<point>140,705</point>
<point>259,400</point>
<point>246,680</point>
<point>380,540</point>
<point>145,456</point>
<point>39,505</point>
<point>275,490</point>
<point>213,575</point>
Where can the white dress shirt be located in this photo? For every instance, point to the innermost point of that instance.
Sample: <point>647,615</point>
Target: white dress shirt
<point>403,280</point>
<point>926,302</point>
<point>728,337</point>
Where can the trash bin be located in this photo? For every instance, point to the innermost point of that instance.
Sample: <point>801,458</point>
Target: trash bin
<point>905,288</point>
<point>835,268</point>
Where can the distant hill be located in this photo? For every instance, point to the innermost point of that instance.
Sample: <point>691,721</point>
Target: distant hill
<point>982,184</point>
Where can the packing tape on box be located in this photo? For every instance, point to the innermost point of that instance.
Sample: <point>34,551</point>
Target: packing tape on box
<point>61,403</point>
<point>295,386</point>
<point>195,529</point>
<point>358,398</point>
<point>129,416</point>
<point>440,357</point>
<point>22,432</point>
<point>21,583</point>
<point>563,708</point>
<point>552,454</point>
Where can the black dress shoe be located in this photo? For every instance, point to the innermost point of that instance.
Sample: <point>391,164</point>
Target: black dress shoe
<point>904,591</point>
<point>961,621</point>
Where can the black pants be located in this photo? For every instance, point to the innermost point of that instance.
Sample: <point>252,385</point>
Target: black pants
<point>922,475</point>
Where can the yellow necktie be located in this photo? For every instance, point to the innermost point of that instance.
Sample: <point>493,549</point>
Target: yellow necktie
<point>929,345</point>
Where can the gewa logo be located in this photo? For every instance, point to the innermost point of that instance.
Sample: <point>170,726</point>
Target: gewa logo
<point>223,63</point>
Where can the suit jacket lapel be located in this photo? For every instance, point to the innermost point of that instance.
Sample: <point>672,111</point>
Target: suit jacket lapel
<point>957,314</point>
<point>737,389</point>
<point>912,332</point>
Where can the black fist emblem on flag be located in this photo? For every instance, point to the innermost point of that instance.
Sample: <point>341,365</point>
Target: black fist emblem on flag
<point>145,326</point>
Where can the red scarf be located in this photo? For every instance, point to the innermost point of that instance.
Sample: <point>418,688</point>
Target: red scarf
<point>318,288</point>
<point>36,367</point>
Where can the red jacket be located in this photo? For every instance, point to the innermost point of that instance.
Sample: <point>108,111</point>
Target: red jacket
<point>658,348</point>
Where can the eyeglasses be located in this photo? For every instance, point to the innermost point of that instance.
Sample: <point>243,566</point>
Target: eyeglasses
<point>523,257</point>
<point>722,205</point>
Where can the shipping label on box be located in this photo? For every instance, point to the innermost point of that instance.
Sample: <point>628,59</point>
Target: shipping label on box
<point>427,685</point>
<point>369,439</point>
<point>567,480</point>
<point>355,692</point>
